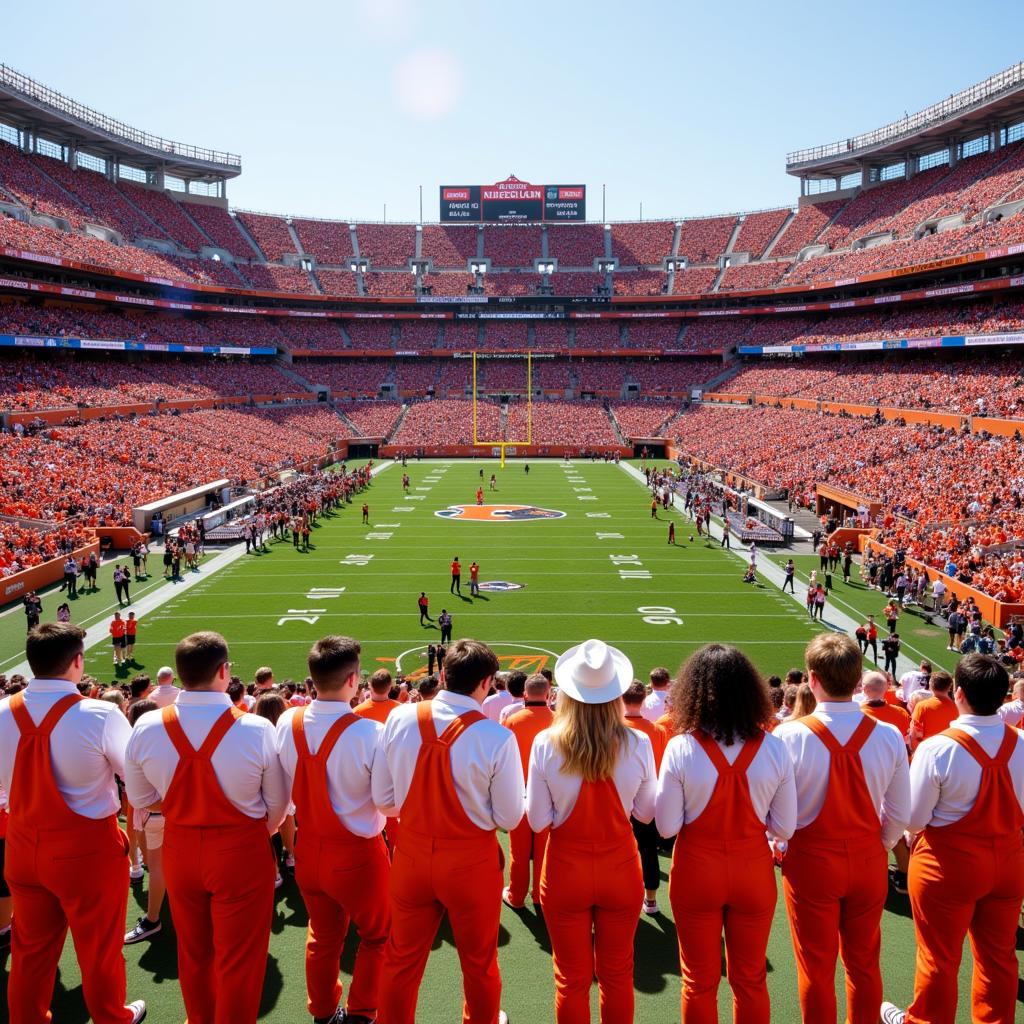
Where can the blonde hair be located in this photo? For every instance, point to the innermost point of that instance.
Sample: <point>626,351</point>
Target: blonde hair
<point>589,737</point>
<point>805,701</point>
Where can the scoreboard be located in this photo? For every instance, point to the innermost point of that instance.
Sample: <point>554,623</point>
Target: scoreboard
<point>512,202</point>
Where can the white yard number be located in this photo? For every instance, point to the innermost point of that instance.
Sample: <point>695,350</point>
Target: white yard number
<point>356,560</point>
<point>306,615</point>
<point>660,615</point>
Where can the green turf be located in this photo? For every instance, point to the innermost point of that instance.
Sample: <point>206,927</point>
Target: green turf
<point>572,591</point>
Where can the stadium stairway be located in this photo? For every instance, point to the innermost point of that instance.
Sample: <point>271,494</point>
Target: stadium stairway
<point>245,234</point>
<point>398,423</point>
<point>295,376</point>
<point>344,419</point>
<point>778,234</point>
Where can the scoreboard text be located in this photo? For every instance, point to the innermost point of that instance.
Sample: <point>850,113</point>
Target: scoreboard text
<point>513,201</point>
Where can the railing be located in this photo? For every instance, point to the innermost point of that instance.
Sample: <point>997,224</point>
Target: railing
<point>1005,81</point>
<point>28,87</point>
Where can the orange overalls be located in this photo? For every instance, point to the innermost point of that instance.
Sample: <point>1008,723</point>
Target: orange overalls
<point>835,883</point>
<point>443,862</point>
<point>220,880</point>
<point>723,877</point>
<point>64,871</point>
<point>592,890</point>
<point>340,876</point>
<point>968,877</point>
<point>524,844</point>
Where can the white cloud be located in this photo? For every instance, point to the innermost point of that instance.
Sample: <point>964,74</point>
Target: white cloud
<point>428,84</point>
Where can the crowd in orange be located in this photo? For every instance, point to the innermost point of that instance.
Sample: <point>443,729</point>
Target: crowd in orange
<point>946,497</point>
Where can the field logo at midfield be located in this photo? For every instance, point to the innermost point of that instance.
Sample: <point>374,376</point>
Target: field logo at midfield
<point>498,513</point>
<point>500,586</point>
<point>511,658</point>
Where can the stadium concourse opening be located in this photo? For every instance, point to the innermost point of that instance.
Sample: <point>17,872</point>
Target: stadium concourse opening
<point>730,512</point>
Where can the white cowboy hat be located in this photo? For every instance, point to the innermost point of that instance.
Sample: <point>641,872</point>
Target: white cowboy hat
<point>593,673</point>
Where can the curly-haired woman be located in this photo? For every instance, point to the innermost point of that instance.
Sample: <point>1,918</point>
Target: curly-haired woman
<point>724,781</point>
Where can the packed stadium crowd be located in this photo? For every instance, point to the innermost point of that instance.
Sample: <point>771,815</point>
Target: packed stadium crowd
<point>981,385</point>
<point>901,213</point>
<point>947,498</point>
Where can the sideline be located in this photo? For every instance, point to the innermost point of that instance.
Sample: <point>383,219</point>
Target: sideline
<point>837,621</point>
<point>151,602</point>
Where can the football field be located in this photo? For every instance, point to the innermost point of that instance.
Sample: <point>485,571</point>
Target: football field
<point>566,552</point>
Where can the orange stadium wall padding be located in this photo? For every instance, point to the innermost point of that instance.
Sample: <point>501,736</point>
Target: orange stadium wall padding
<point>829,494</point>
<point>849,534</point>
<point>1004,428</point>
<point>16,586</point>
<point>122,538</point>
<point>998,613</point>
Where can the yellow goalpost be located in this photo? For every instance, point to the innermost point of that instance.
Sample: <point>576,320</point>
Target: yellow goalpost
<point>501,444</point>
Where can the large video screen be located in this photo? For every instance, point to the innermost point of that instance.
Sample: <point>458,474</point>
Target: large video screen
<point>512,201</point>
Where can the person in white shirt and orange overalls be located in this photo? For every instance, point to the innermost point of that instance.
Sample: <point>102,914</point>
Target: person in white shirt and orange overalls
<point>341,862</point>
<point>724,781</point>
<point>525,845</point>
<point>453,777</point>
<point>853,802</point>
<point>66,860</point>
<point>213,772</point>
<point>588,774</point>
<point>967,864</point>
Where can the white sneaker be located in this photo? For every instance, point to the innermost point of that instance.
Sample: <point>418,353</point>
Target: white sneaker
<point>651,907</point>
<point>506,898</point>
<point>138,1009</point>
<point>136,873</point>
<point>892,1014</point>
<point>279,881</point>
<point>502,1017</point>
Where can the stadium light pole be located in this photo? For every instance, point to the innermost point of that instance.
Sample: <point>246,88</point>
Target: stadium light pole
<point>421,204</point>
<point>386,213</point>
<point>603,217</point>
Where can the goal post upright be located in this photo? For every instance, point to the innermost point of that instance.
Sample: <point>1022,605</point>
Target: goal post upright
<point>502,443</point>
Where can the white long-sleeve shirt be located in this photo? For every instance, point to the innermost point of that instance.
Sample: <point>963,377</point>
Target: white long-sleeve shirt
<point>486,766</point>
<point>883,758</point>
<point>348,766</point>
<point>945,778</point>
<point>1012,713</point>
<point>493,706</point>
<point>688,779</point>
<point>655,705</point>
<point>245,761</point>
<point>86,747</point>
<point>551,794</point>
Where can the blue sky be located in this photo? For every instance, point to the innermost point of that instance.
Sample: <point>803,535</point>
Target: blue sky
<point>340,108</point>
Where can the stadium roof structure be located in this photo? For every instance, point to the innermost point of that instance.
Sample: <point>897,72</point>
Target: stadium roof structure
<point>984,107</point>
<point>29,104</point>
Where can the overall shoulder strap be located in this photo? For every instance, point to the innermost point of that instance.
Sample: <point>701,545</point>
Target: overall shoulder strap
<point>456,728</point>
<point>748,753</point>
<point>169,717</point>
<point>334,734</point>
<point>219,730</point>
<point>299,734</point>
<point>712,749</point>
<point>425,721</point>
<point>23,719</point>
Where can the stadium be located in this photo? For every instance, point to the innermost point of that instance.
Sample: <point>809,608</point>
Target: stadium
<point>284,427</point>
